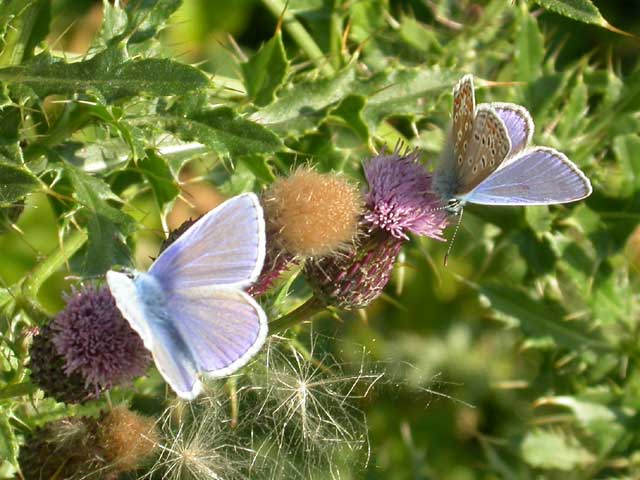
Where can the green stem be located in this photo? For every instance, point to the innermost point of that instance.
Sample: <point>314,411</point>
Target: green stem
<point>53,263</point>
<point>304,312</point>
<point>20,29</point>
<point>299,34</point>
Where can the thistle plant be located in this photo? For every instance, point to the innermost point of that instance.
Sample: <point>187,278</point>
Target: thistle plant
<point>116,117</point>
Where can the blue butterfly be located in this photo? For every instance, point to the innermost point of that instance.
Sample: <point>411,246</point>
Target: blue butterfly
<point>190,308</point>
<point>487,161</point>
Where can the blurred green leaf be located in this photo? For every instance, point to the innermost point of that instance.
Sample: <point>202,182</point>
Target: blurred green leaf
<point>8,441</point>
<point>109,74</point>
<point>107,227</point>
<point>15,183</point>
<point>554,450</point>
<point>265,71</point>
<point>538,319</point>
<point>23,24</point>
<point>626,148</point>
<point>529,47</point>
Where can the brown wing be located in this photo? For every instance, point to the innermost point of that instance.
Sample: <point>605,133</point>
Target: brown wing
<point>464,107</point>
<point>486,148</point>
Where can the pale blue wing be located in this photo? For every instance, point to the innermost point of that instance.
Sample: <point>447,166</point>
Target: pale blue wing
<point>518,122</point>
<point>223,327</point>
<point>540,176</point>
<point>142,304</point>
<point>225,247</point>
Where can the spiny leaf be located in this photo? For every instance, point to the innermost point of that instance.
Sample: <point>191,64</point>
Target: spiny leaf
<point>15,183</point>
<point>109,74</point>
<point>265,71</point>
<point>106,226</point>
<point>404,92</point>
<point>164,185</point>
<point>301,107</point>
<point>224,132</point>
<point>147,17</point>
<point>581,10</point>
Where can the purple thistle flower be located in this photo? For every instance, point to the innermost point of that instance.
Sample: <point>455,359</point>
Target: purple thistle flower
<point>400,199</point>
<point>97,342</point>
<point>399,202</point>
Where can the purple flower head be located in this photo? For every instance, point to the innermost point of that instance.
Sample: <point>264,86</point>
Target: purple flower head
<point>400,199</point>
<point>96,341</point>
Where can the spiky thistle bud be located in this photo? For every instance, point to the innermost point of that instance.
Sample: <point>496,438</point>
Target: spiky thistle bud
<point>48,371</point>
<point>127,439</point>
<point>97,342</point>
<point>399,201</point>
<point>308,214</point>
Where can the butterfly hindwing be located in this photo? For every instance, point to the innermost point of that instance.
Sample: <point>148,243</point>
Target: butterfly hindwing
<point>518,122</point>
<point>224,247</point>
<point>538,176</point>
<point>220,343</point>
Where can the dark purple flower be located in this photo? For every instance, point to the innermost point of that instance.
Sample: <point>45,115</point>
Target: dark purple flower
<point>96,341</point>
<point>400,199</point>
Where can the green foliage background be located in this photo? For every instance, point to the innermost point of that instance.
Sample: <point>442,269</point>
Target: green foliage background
<point>519,360</point>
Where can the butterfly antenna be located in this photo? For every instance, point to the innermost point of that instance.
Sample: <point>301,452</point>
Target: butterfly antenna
<point>453,237</point>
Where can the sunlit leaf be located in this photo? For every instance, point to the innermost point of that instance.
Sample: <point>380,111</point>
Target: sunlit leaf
<point>581,10</point>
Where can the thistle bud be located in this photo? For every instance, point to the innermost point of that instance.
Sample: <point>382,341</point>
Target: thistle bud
<point>308,214</point>
<point>96,341</point>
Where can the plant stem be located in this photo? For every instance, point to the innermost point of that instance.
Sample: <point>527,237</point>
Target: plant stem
<point>53,263</point>
<point>299,34</point>
<point>304,312</point>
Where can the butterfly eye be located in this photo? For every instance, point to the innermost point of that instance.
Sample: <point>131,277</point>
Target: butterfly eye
<point>484,140</point>
<point>493,152</point>
<point>464,146</point>
<point>459,134</point>
<point>476,136</point>
<point>483,160</point>
<point>460,160</point>
<point>492,163</point>
<point>475,168</point>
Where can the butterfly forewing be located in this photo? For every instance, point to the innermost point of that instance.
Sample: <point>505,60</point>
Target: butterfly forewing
<point>225,247</point>
<point>539,176</point>
<point>488,146</point>
<point>464,107</point>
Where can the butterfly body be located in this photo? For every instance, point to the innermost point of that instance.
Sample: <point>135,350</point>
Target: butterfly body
<point>486,160</point>
<point>190,308</point>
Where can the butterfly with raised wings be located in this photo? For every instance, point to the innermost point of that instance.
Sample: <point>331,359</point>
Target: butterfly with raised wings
<point>190,308</point>
<point>487,161</point>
